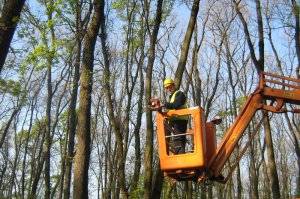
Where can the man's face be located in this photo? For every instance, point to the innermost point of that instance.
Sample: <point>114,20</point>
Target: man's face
<point>170,88</point>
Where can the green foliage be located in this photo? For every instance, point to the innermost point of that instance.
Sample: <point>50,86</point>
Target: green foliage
<point>39,125</point>
<point>50,23</point>
<point>63,121</point>
<point>40,50</point>
<point>139,191</point>
<point>22,135</point>
<point>240,102</point>
<point>44,45</point>
<point>11,87</point>
<point>23,69</point>
<point>55,177</point>
<point>119,4</point>
<point>224,113</point>
<point>167,6</point>
<point>35,58</point>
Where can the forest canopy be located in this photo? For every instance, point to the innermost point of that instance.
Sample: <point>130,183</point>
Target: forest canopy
<point>77,75</point>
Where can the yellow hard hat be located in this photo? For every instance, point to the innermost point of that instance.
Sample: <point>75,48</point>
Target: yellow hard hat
<point>168,82</point>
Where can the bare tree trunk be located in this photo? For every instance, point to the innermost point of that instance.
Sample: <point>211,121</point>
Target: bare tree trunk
<point>297,35</point>
<point>49,60</point>
<point>14,163</point>
<point>32,104</point>
<point>279,66</point>
<point>168,190</point>
<point>271,158</point>
<point>261,45</point>
<point>137,164</point>
<point>82,157</point>
<point>9,18</point>
<point>234,106</point>
<point>4,134</point>
<point>196,89</point>
<point>72,108</point>
<point>259,64</point>
<point>39,162</point>
<point>204,194</point>
<point>297,151</point>
<point>266,182</point>
<point>253,175</point>
<point>189,190</point>
<point>247,34</point>
<point>48,134</point>
<point>149,123</point>
<point>158,182</point>
<point>3,168</point>
<point>114,120</point>
<point>186,43</point>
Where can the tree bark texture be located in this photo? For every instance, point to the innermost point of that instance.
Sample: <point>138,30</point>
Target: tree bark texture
<point>271,161</point>
<point>82,157</point>
<point>186,43</point>
<point>72,108</point>
<point>48,135</point>
<point>247,34</point>
<point>8,22</point>
<point>297,34</point>
<point>49,60</point>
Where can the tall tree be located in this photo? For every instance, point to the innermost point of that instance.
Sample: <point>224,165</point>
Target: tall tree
<point>82,157</point>
<point>49,61</point>
<point>116,124</point>
<point>186,43</point>
<point>151,57</point>
<point>292,130</point>
<point>259,64</point>
<point>296,12</point>
<point>79,34</point>
<point>9,18</point>
<point>140,62</point>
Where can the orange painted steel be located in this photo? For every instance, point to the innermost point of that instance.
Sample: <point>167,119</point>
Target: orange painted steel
<point>234,134</point>
<point>196,159</point>
<point>206,161</point>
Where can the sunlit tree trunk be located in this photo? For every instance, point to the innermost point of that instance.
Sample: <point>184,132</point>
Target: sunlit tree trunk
<point>49,61</point>
<point>72,107</point>
<point>271,158</point>
<point>296,12</point>
<point>279,67</point>
<point>37,164</point>
<point>82,157</point>
<point>186,43</point>
<point>265,181</point>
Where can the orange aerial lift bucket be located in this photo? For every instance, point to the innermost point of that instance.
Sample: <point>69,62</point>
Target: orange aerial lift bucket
<point>203,161</point>
<point>190,165</point>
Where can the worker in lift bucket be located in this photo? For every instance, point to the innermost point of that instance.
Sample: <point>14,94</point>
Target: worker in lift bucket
<point>178,124</point>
